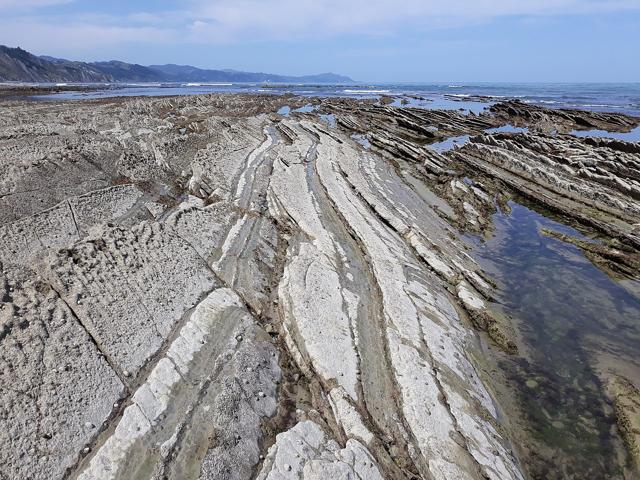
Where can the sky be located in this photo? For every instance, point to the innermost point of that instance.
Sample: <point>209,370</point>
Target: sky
<point>368,40</point>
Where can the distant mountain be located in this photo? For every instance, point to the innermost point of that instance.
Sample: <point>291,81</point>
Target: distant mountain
<point>128,72</point>
<point>187,73</point>
<point>18,65</point>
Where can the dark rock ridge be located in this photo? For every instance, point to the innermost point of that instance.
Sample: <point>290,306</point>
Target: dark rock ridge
<point>18,65</point>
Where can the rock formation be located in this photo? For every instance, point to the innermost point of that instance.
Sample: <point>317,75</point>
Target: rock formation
<point>197,287</point>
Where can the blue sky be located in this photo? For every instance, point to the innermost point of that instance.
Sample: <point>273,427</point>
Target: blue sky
<point>369,40</point>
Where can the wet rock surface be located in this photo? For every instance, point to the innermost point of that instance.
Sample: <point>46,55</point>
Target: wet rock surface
<point>199,287</point>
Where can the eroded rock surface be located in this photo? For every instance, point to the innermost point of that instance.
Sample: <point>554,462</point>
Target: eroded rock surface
<point>307,452</point>
<point>173,269</point>
<point>56,387</point>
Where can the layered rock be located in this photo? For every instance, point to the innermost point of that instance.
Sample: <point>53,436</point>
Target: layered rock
<point>564,121</point>
<point>595,183</point>
<point>198,288</point>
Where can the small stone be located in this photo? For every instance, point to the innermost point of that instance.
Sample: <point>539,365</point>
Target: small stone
<point>89,425</point>
<point>287,467</point>
<point>261,394</point>
<point>86,450</point>
<point>531,383</point>
<point>239,338</point>
<point>126,373</point>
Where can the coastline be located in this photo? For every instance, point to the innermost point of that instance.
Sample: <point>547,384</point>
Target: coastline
<point>218,203</point>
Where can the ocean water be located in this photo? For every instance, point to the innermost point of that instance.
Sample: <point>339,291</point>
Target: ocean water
<point>605,97</point>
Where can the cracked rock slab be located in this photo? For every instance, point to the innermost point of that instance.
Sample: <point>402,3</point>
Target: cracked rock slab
<point>129,287</point>
<point>306,452</point>
<point>198,413</point>
<point>56,388</point>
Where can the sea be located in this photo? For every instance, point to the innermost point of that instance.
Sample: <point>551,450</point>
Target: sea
<point>606,97</point>
<point>463,97</point>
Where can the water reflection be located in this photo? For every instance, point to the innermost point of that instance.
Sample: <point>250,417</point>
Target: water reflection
<point>632,136</point>
<point>507,129</point>
<point>449,144</point>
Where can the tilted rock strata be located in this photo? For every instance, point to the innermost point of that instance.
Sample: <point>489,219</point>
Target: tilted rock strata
<point>548,120</point>
<point>598,185</point>
<point>420,335</point>
<point>218,377</point>
<point>192,254</point>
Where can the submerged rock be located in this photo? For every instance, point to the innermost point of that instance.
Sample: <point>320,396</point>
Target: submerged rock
<point>626,398</point>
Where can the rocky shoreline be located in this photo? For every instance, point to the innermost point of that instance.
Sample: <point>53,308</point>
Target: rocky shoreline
<point>199,287</point>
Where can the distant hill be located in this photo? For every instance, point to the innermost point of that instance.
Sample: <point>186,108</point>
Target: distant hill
<point>18,65</point>
<point>187,73</point>
<point>128,72</point>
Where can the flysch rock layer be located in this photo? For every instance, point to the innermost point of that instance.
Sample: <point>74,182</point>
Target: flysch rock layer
<point>217,378</point>
<point>420,337</point>
<point>173,269</point>
<point>594,180</point>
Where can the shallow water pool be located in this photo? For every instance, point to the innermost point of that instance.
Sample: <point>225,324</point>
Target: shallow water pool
<point>577,328</point>
<point>632,136</point>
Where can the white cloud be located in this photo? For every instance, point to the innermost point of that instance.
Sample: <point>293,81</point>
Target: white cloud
<point>61,39</point>
<point>228,21</point>
<point>282,19</point>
